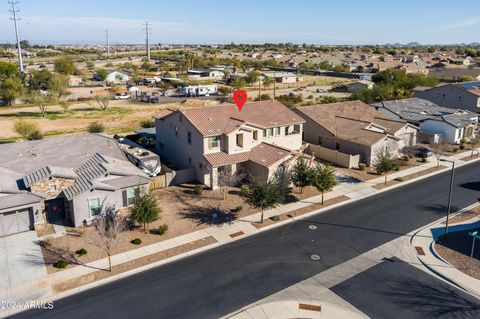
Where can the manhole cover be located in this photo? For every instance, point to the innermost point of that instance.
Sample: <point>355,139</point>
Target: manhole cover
<point>315,257</point>
<point>312,227</point>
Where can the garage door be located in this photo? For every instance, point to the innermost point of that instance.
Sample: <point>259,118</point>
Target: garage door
<point>14,222</point>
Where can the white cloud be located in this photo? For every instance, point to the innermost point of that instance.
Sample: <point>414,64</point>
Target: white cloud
<point>462,24</point>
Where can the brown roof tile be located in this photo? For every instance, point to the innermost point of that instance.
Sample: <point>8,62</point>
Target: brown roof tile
<point>263,154</point>
<point>222,118</point>
<point>349,120</point>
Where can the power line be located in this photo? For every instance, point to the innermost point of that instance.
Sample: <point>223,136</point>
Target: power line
<point>14,12</point>
<point>147,41</point>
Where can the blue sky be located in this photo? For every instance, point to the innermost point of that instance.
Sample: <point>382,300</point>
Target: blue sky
<point>247,21</point>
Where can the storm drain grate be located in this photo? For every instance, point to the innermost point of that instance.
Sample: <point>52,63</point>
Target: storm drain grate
<point>315,257</point>
<point>240,233</point>
<point>420,251</point>
<point>305,306</point>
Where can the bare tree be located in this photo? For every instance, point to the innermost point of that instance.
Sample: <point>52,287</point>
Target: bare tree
<point>439,149</point>
<point>102,101</point>
<point>65,106</point>
<point>227,178</point>
<point>109,230</point>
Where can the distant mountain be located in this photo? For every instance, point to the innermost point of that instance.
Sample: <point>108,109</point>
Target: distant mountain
<point>410,44</point>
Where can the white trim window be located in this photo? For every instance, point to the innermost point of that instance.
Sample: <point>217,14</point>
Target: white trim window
<point>94,206</point>
<point>129,196</point>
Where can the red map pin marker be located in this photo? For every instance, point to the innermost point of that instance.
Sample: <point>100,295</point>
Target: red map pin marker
<point>240,97</point>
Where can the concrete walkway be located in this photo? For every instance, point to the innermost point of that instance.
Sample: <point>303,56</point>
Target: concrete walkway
<point>425,239</point>
<point>222,233</point>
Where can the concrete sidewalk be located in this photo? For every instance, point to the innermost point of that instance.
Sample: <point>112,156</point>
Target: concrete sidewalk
<point>425,239</point>
<point>222,233</point>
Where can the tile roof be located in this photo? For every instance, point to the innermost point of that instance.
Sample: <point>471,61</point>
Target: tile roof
<point>223,118</point>
<point>264,154</point>
<point>47,172</point>
<point>351,120</point>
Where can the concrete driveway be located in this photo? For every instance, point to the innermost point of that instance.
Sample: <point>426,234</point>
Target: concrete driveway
<point>21,268</point>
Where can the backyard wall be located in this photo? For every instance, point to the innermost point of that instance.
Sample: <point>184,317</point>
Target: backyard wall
<point>338,158</point>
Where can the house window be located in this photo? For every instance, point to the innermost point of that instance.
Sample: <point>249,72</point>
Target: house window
<point>320,140</point>
<point>94,206</point>
<point>270,132</point>
<point>337,146</point>
<point>189,137</point>
<point>53,187</point>
<point>239,140</point>
<point>255,135</point>
<point>277,131</point>
<point>214,142</point>
<point>296,128</point>
<point>264,133</point>
<point>286,130</point>
<point>129,196</point>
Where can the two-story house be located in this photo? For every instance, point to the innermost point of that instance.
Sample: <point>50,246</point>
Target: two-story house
<point>261,139</point>
<point>463,95</point>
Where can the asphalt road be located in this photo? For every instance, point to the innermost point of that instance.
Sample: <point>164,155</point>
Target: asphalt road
<point>399,290</point>
<point>222,280</point>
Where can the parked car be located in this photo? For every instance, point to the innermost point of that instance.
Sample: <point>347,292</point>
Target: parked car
<point>122,96</point>
<point>321,91</point>
<point>424,152</point>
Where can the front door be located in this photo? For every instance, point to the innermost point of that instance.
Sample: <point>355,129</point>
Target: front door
<point>55,209</point>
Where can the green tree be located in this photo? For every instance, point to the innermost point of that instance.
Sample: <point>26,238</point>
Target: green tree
<point>323,178</point>
<point>101,74</point>
<point>144,209</point>
<point>252,77</point>
<point>7,70</point>
<point>65,65</point>
<point>10,90</point>
<point>239,84</point>
<point>265,194</point>
<point>385,162</point>
<point>302,174</point>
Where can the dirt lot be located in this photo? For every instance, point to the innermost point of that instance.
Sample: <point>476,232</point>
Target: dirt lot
<point>133,264</point>
<point>119,117</point>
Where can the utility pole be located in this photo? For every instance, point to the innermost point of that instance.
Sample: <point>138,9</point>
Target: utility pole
<point>147,41</point>
<point>449,195</point>
<point>108,44</point>
<point>14,11</point>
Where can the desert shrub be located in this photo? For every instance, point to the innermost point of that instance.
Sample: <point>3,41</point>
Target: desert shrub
<point>399,179</point>
<point>455,149</point>
<point>96,127</point>
<point>35,135</point>
<point>81,252</point>
<point>462,147</point>
<point>147,123</point>
<point>198,189</point>
<point>362,166</point>
<point>237,209</point>
<point>136,241</point>
<point>275,218</point>
<point>244,189</point>
<point>61,264</point>
<point>162,229</point>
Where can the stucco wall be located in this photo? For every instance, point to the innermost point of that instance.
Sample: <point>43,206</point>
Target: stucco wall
<point>448,96</point>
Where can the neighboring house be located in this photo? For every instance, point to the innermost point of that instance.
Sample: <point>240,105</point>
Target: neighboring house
<point>463,95</point>
<point>355,128</point>
<point>451,124</point>
<point>205,74</point>
<point>261,139</point>
<point>66,178</point>
<point>283,77</point>
<point>358,86</point>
